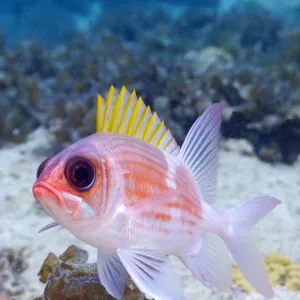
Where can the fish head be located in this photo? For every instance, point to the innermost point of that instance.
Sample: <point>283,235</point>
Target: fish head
<point>69,184</point>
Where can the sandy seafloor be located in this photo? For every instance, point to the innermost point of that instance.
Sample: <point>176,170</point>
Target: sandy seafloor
<point>240,177</point>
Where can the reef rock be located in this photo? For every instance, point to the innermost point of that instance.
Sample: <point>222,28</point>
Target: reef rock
<point>70,277</point>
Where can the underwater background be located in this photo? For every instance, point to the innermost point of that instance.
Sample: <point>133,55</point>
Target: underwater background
<point>180,57</point>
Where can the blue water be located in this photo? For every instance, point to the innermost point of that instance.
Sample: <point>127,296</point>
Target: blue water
<point>55,21</point>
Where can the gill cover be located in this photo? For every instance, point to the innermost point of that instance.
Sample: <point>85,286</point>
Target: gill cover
<point>126,114</point>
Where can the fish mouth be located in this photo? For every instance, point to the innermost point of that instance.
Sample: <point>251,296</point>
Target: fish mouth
<point>45,194</point>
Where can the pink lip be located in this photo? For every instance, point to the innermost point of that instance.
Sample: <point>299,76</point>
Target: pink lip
<point>44,191</point>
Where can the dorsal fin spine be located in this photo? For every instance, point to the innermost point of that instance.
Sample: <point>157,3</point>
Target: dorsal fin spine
<point>116,109</point>
<point>124,113</point>
<point>160,140</point>
<point>126,107</point>
<point>140,121</point>
<point>149,126</point>
<point>99,113</point>
<point>168,144</point>
<point>107,106</point>
<point>156,130</point>
<point>133,116</point>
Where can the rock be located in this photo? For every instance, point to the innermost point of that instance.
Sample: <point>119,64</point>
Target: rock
<point>48,267</point>
<point>74,255</point>
<point>70,277</point>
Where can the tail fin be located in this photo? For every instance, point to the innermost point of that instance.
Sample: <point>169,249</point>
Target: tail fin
<point>240,244</point>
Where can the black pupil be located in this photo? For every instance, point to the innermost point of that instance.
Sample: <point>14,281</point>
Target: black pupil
<point>81,174</point>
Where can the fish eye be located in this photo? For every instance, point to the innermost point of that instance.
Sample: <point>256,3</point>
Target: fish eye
<point>41,168</point>
<point>80,173</point>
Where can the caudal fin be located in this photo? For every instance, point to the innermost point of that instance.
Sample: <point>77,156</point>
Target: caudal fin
<point>239,242</point>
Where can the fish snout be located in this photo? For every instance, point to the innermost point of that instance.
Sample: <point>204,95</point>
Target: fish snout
<point>44,192</point>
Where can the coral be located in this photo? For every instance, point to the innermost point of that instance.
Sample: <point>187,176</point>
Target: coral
<point>255,72</point>
<point>281,271</point>
<point>12,265</point>
<point>209,58</point>
<point>71,277</point>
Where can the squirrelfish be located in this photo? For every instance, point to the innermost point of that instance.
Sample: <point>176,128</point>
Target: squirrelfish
<point>130,191</point>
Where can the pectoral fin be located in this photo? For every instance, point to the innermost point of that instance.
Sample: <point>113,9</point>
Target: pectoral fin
<point>152,273</point>
<point>50,225</point>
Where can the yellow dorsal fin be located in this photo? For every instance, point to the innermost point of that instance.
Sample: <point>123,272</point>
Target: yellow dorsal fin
<point>125,113</point>
<point>99,116</point>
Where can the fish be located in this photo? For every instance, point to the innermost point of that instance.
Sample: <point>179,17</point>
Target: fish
<point>134,194</point>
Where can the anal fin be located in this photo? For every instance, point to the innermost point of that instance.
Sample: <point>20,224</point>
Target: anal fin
<point>152,273</point>
<point>212,263</point>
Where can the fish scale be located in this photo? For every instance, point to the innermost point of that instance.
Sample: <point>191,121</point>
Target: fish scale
<point>149,172</point>
<point>128,151</point>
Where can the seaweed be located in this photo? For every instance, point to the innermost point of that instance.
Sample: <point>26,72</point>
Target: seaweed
<point>256,73</point>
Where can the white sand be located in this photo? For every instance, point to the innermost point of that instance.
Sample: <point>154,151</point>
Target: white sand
<point>240,178</point>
